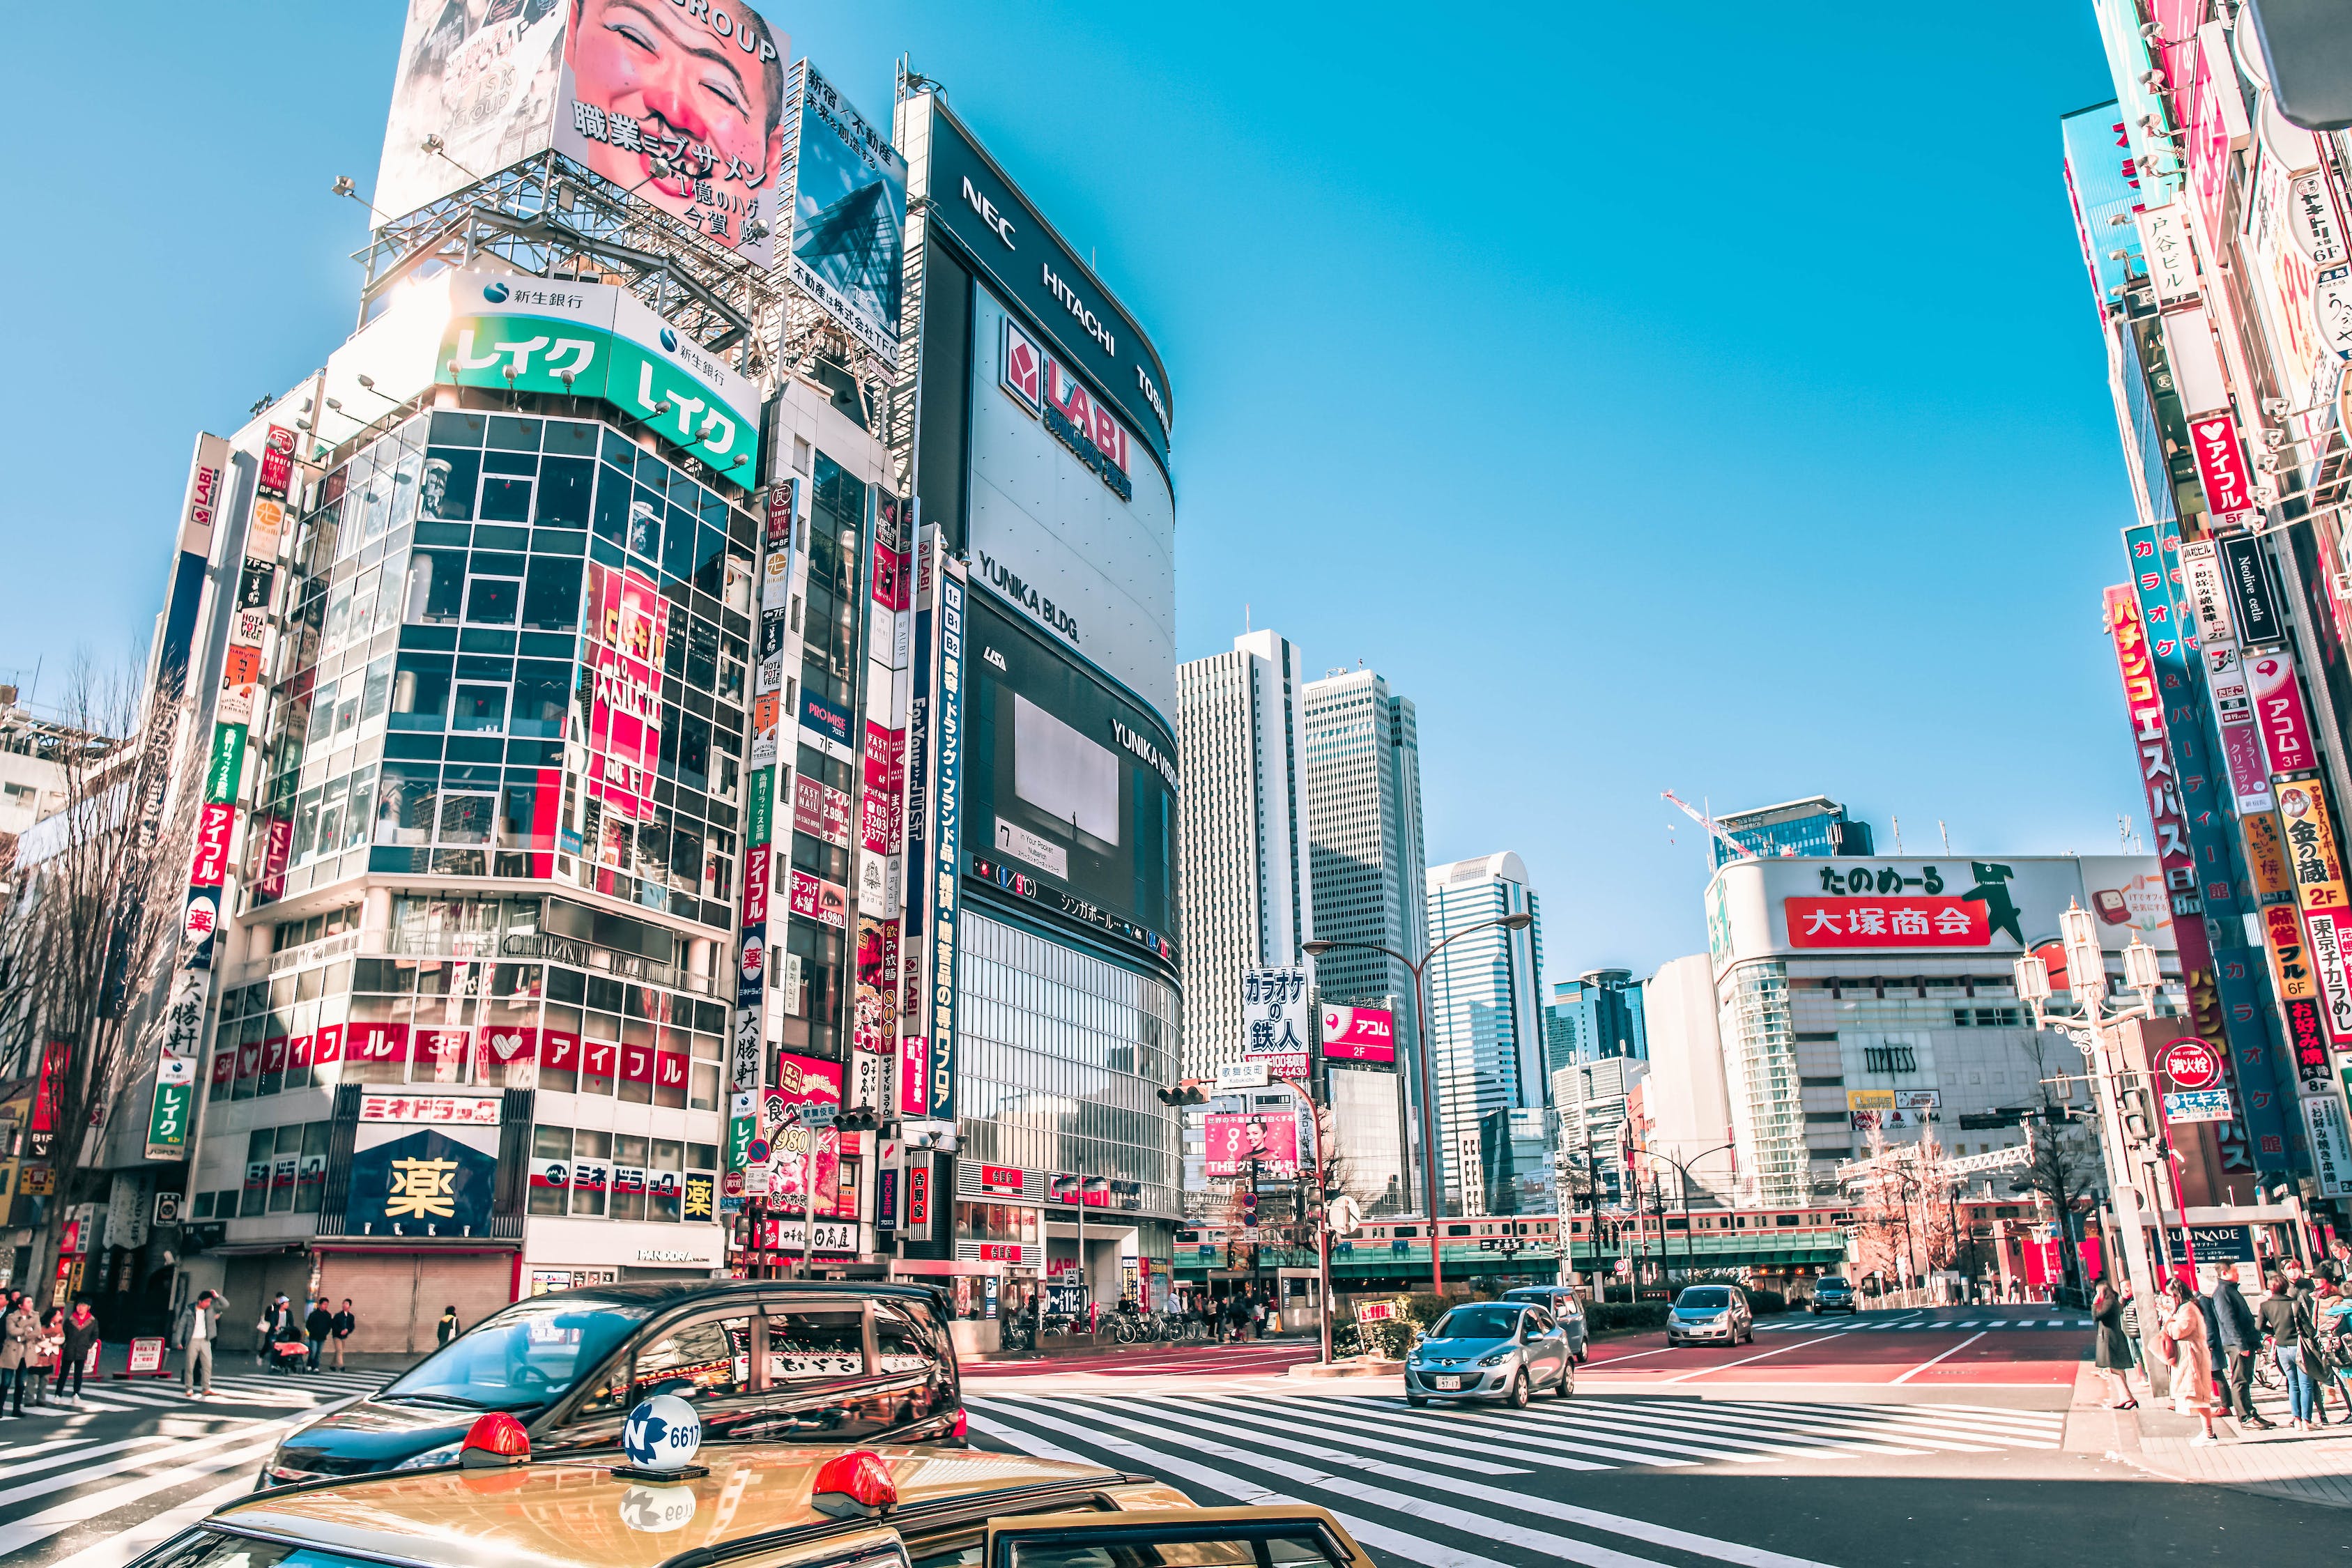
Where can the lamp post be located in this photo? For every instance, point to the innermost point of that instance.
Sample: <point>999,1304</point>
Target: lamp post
<point>1316,949</point>
<point>1682,1170</point>
<point>2089,1026</point>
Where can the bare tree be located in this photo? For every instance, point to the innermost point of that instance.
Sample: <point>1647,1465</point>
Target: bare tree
<point>2063,1168</point>
<point>91,922</point>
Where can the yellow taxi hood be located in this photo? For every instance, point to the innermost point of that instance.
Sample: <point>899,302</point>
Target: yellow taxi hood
<point>574,1514</point>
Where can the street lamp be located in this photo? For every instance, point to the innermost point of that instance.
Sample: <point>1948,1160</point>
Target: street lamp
<point>1690,1252</point>
<point>2088,1027</point>
<point>1316,948</point>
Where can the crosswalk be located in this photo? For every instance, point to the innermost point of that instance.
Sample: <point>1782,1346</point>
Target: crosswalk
<point>1811,1325</point>
<point>305,1391</point>
<point>1418,1485</point>
<point>82,1487</point>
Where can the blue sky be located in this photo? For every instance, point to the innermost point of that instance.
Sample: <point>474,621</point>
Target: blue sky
<point>1712,403</point>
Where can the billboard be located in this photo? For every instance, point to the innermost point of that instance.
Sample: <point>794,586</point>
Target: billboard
<point>684,106</point>
<point>1267,1140</point>
<point>1358,1034</point>
<point>628,636</point>
<point>1072,786</point>
<point>1999,906</point>
<point>1274,1005</point>
<point>483,80</point>
<point>849,214</point>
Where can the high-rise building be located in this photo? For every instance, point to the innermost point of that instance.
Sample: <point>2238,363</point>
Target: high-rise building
<point>1815,826</point>
<point>1688,1108</point>
<point>1246,899</point>
<point>1589,1098</point>
<point>1486,1027</point>
<point>1595,1016</point>
<point>597,749</point>
<point>1367,867</point>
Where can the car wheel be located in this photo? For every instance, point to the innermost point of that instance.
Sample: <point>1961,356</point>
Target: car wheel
<point>1416,1402</point>
<point>1747,1335</point>
<point>1520,1393</point>
<point>1566,1386</point>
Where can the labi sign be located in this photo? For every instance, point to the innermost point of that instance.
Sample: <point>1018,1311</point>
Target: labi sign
<point>592,340</point>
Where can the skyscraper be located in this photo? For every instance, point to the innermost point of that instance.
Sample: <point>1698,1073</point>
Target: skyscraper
<point>1484,1026</point>
<point>1244,900</point>
<point>1593,1016</point>
<point>1366,867</point>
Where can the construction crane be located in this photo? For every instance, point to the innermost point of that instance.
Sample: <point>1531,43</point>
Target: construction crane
<point>1738,851</point>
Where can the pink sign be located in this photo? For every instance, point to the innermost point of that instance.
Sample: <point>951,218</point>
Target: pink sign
<point>820,811</point>
<point>2222,468</point>
<point>2279,714</point>
<point>819,899</point>
<point>2249,775</point>
<point>1267,1139</point>
<point>628,637</point>
<point>1358,1034</point>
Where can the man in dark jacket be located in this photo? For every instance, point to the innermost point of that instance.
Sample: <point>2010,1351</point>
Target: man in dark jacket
<point>320,1322</point>
<point>2242,1341</point>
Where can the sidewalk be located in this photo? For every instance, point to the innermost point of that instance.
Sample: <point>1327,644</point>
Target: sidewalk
<point>1081,1349</point>
<point>2302,1466</point>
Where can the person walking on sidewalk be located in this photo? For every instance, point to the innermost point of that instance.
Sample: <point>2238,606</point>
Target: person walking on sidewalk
<point>197,1328</point>
<point>45,1351</point>
<point>2192,1364</point>
<point>342,1327</point>
<point>448,1327</point>
<point>2242,1341</point>
<point>2331,1314</point>
<point>318,1325</point>
<point>2111,1350</point>
<point>2287,1324</point>
<point>19,1332</point>
<point>81,1333</point>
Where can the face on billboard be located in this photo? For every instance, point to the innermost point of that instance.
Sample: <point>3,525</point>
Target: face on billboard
<point>700,89</point>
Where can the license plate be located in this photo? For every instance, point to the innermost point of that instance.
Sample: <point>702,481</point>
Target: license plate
<point>1446,1383</point>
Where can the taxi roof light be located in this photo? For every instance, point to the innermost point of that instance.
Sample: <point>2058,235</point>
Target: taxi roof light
<point>855,1485</point>
<point>495,1438</point>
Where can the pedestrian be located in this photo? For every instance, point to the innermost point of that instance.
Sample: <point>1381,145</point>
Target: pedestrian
<point>2111,1352</point>
<point>448,1327</point>
<point>277,1326</point>
<point>19,1332</point>
<point>2192,1364</point>
<point>2292,1337</point>
<point>1257,1317</point>
<point>80,1338</point>
<point>2242,1341</point>
<point>48,1352</point>
<point>197,1328</point>
<point>2331,1312</point>
<point>344,1323</point>
<point>318,1324</point>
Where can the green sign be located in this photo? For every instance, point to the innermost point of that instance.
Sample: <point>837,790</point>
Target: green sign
<point>740,1130</point>
<point>226,763</point>
<point>763,806</point>
<point>167,1127</point>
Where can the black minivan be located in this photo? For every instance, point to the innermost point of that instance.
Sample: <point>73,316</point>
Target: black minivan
<point>762,1361</point>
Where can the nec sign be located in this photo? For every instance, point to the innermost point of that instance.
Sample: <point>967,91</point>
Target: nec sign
<point>1016,251</point>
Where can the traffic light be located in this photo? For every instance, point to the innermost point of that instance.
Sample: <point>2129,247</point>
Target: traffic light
<point>1188,1091</point>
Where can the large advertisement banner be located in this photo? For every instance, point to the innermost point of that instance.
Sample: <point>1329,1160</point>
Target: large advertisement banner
<point>1267,1140</point>
<point>849,214</point>
<point>684,106</point>
<point>629,623</point>
<point>480,81</point>
<point>2280,716</point>
<point>1358,1034</point>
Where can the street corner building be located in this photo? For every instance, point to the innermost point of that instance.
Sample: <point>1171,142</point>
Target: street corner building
<point>683,696</point>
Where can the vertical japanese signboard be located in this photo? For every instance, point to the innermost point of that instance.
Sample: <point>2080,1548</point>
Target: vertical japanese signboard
<point>1276,1025</point>
<point>934,834</point>
<point>2317,865</point>
<point>2222,471</point>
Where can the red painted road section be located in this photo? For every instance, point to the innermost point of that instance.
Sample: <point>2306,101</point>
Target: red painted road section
<point>1256,1358</point>
<point>1853,1350</point>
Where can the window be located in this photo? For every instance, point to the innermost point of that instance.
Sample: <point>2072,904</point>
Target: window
<point>481,709</point>
<point>700,1360</point>
<point>437,586</point>
<point>420,691</point>
<point>815,1346</point>
<point>493,601</point>
<point>550,595</point>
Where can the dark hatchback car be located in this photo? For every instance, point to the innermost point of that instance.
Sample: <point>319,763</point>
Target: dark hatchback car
<point>762,1361</point>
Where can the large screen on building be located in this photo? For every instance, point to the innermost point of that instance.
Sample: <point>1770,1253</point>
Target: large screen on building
<point>1072,784</point>
<point>681,105</point>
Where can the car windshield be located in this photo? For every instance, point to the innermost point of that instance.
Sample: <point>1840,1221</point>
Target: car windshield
<point>1709,1296</point>
<point>527,1355</point>
<point>1834,1285</point>
<point>1487,1322</point>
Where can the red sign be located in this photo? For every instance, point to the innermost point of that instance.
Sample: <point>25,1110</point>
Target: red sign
<point>327,1046</point>
<point>505,1044</point>
<point>638,1064</point>
<point>878,821</point>
<point>756,871</point>
<point>2145,703</point>
<point>214,820</point>
<point>223,1067</point>
<point>1265,1139</point>
<point>1001,1181</point>
<point>819,899</point>
<point>559,1051</point>
<point>2222,468</point>
<point>1358,1034</point>
<point>629,636</point>
<point>820,811</point>
<point>2190,1063</point>
<point>1000,1252</point>
<point>2279,714</point>
<point>376,1042</point>
<point>1886,923</point>
<point>277,854</point>
<point>273,1054</point>
<point>918,1197</point>
<point>277,463</point>
<point>885,757</point>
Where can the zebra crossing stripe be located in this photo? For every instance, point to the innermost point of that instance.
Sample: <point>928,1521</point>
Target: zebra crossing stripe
<point>1919,1432</point>
<point>1705,1415</point>
<point>1567,1548</point>
<point>1633,1425</point>
<point>1220,1419</point>
<point>17,1535</point>
<point>1974,1420</point>
<point>1426,1427</point>
<point>77,1450</point>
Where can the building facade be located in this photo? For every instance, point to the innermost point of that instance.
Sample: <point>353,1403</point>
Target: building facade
<point>1688,1105</point>
<point>1485,1031</point>
<point>1366,872</point>
<point>1590,1100</point>
<point>2210,219</point>
<point>1248,898</point>
<point>628,848</point>
<point>1596,1015</point>
<point>1815,826</point>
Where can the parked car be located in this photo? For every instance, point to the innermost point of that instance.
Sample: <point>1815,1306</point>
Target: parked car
<point>1567,1310</point>
<point>795,1506</point>
<point>1832,1295</point>
<point>762,1361</point>
<point>1710,1312</point>
<point>1490,1349</point>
